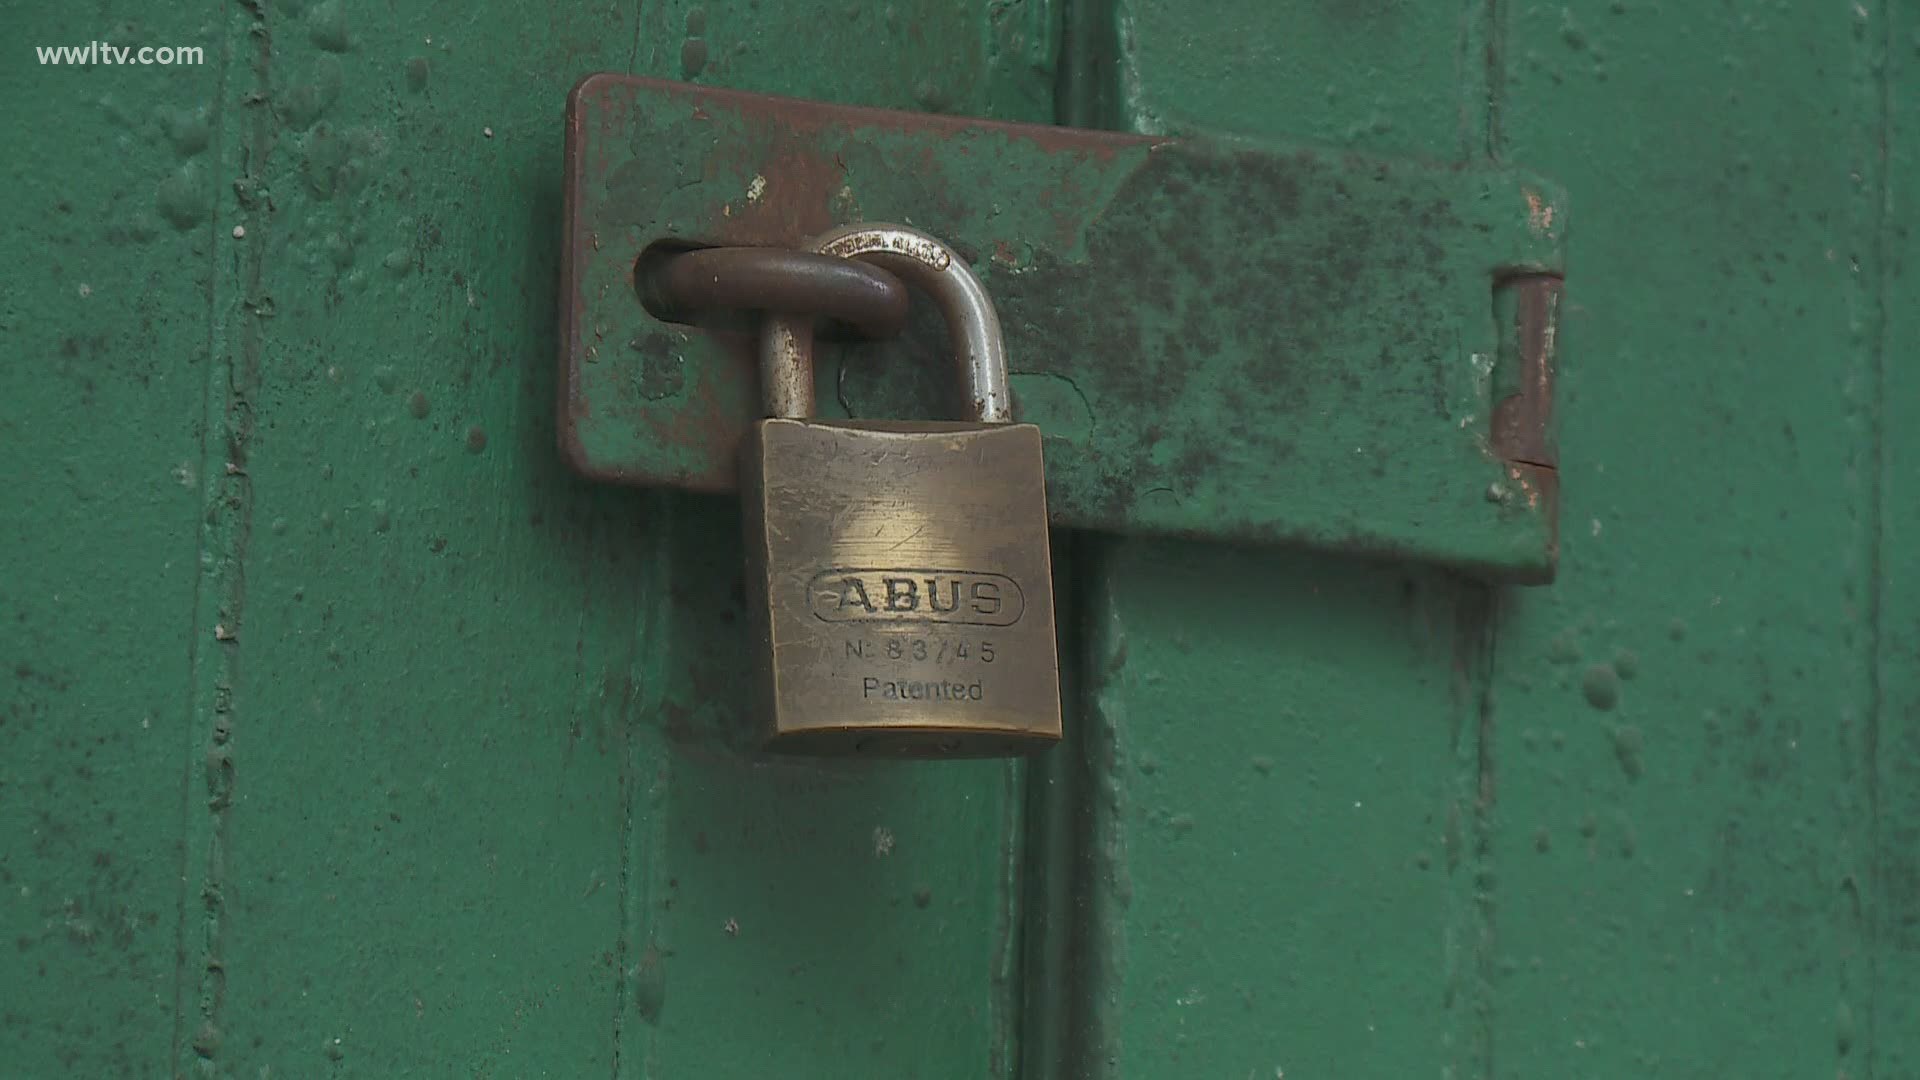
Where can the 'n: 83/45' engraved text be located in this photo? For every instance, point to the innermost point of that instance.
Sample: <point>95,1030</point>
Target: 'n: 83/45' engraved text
<point>937,650</point>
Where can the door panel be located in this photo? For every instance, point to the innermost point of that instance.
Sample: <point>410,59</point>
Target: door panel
<point>1676,800</point>
<point>405,764</point>
<point>104,316</point>
<point>1682,721</point>
<point>1287,747</point>
<point>456,731</point>
<point>1285,752</point>
<point>1884,948</point>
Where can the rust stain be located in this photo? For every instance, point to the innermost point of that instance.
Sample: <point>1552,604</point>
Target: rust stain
<point>1539,213</point>
<point>708,416</point>
<point>1523,422</point>
<point>789,197</point>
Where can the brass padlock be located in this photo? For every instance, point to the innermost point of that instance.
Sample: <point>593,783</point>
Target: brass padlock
<point>898,574</point>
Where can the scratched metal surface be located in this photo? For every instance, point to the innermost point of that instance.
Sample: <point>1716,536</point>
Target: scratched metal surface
<point>1220,339</point>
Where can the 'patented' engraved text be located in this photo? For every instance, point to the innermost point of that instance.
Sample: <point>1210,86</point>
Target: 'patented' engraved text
<point>911,594</point>
<point>938,690</point>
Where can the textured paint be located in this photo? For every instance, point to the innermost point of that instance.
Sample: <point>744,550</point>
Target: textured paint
<point>345,730</point>
<point>1668,795</point>
<point>1279,873</point>
<point>1715,805</point>
<point>1688,718</point>
<point>1884,950</point>
<point>103,369</point>
<point>1374,75</point>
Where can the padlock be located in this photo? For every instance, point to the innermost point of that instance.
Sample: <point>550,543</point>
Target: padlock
<point>899,584</point>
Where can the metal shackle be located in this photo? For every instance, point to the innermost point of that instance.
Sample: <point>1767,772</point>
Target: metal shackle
<point>786,344</point>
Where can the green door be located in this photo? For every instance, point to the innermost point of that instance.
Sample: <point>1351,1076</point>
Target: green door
<point>344,731</point>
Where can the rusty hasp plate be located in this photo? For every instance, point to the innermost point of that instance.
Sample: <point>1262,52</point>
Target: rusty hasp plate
<point>1219,338</point>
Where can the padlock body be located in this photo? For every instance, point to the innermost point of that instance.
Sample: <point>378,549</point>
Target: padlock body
<point>900,588</point>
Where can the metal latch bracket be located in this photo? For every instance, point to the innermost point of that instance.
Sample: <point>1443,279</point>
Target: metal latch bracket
<point>1220,338</point>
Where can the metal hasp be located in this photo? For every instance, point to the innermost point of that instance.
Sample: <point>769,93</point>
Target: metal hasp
<point>1219,338</point>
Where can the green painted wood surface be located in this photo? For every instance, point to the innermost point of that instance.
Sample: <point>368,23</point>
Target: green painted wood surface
<point>1884,932</point>
<point>343,733</point>
<point>1711,674</point>
<point>347,731</point>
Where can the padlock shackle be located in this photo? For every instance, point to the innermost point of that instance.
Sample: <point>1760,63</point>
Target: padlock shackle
<point>786,344</point>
